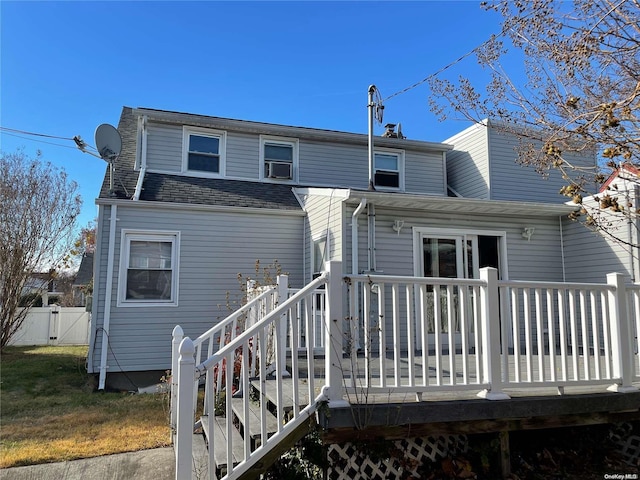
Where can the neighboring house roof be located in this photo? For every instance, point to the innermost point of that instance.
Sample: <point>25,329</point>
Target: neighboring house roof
<point>626,171</point>
<point>85,271</point>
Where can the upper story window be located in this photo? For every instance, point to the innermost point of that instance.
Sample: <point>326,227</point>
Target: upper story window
<point>279,158</point>
<point>148,268</point>
<point>203,151</point>
<point>388,170</point>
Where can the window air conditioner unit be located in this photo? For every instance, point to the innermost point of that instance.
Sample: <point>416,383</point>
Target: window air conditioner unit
<point>279,170</point>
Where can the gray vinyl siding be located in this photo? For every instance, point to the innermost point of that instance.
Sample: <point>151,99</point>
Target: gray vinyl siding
<point>468,163</point>
<point>512,181</point>
<point>333,164</point>
<point>425,173</point>
<point>537,259</point>
<point>164,148</point>
<point>243,156</point>
<point>324,217</point>
<point>320,163</point>
<point>214,249</point>
<point>590,257</point>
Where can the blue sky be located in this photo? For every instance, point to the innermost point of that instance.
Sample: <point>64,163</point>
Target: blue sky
<point>67,67</point>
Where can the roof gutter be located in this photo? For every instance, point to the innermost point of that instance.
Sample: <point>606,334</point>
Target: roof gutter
<point>142,125</point>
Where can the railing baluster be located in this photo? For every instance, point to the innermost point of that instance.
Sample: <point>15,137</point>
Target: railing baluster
<point>606,328</point>
<point>584,314</point>
<point>411,340</point>
<point>451,325</point>
<point>574,333</point>
<point>551,334</point>
<point>517,338</point>
<point>526,300</point>
<point>562,323</point>
<point>595,331</point>
<point>294,360</point>
<point>368,337</point>
<point>539,334</point>
<point>437,326</point>
<point>397,346</point>
<point>382,335</point>
<point>425,334</point>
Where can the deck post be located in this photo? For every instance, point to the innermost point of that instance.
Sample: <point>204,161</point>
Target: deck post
<point>283,295</point>
<point>176,338</point>
<point>184,421</point>
<point>621,334</point>
<point>490,325</point>
<point>334,335</point>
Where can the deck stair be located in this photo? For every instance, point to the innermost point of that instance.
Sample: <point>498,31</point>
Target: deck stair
<point>252,428</point>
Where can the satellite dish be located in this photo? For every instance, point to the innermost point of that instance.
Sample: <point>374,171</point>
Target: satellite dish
<point>108,142</point>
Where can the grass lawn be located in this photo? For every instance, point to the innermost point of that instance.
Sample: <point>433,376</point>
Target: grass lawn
<point>50,410</point>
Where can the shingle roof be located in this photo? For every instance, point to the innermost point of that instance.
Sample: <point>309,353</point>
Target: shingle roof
<point>159,187</point>
<point>215,191</point>
<point>85,271</point>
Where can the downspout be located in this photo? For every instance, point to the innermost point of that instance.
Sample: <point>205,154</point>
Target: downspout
<point>143,159</point>
<point>107,298</point>
<point>371,220</point>
<point>354,236</point>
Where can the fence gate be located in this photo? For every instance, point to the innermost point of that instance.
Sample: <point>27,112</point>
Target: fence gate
<point>54,325</point>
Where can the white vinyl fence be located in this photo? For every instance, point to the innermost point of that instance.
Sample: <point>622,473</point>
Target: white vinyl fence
<point>54,325</point>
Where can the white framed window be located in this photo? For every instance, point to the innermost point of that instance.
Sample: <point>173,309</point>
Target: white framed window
<point>148,268</point>
<point>319,255</point>
<point>203,151</point>
<point>388,170</point>
<point>278,159</point>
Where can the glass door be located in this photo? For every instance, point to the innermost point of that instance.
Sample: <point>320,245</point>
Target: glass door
<point>448,254</point>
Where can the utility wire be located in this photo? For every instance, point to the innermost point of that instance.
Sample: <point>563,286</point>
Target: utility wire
<point>78,141</point>
<point>40,141</point>
<point>34,134</point>
<point>446,67</point>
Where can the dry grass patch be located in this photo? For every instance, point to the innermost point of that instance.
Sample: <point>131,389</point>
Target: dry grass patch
<point>51,412</point>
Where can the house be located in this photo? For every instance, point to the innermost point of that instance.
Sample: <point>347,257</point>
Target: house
<point>197,200</point>
<point>617,249</point>
<point>83,281</point>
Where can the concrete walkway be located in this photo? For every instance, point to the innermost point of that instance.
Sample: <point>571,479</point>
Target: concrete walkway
<point>155,464</point>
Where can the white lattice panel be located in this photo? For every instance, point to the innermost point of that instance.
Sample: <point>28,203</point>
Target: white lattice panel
<point>351,461</point>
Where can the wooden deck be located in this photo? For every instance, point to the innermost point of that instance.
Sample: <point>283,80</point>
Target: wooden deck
<point>445,409</point>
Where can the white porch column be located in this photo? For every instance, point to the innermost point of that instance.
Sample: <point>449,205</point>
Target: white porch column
<point>184,421</point>
<point>490,324</point>
<point>334,335</point>
<point>621,334</point>
<point>176,338</point>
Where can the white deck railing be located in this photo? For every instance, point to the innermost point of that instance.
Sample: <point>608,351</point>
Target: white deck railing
<point>250,350</point>
<point>412,336</point>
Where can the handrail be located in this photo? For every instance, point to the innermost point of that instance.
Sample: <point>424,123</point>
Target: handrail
<point>253,330</point>
<point>234,316</point>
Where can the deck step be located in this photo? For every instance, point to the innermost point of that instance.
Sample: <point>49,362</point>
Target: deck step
<point>287,393</point>
<point>255,429</point>
<point>220,442</point>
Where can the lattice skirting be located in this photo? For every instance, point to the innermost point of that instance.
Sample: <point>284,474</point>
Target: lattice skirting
<point>629,444</point>
<point>390,459</point>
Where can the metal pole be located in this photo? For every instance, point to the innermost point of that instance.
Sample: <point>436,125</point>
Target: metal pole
<point>370,105</point>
